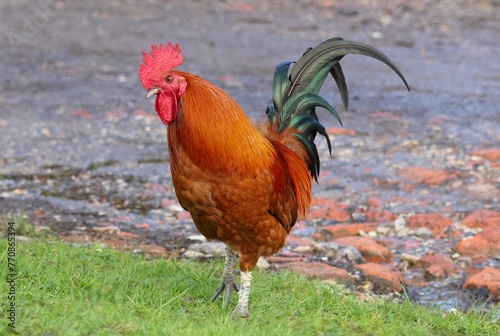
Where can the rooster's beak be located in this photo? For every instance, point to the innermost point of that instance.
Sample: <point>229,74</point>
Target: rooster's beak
<point>153,91</point>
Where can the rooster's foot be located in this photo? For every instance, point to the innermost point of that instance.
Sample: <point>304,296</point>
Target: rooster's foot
<point>228,284</point>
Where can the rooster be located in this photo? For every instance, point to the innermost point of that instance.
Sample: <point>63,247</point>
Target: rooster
<point>242,185</point>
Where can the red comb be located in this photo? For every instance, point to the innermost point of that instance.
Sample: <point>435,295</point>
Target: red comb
<point>158,62</point>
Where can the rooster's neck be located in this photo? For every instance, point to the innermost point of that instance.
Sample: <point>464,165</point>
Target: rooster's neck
<point>215,133</point>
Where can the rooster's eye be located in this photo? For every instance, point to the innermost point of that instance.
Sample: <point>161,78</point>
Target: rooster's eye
<point>169,79</point>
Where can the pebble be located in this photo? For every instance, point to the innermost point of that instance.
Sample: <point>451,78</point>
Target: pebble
<point>175,208</point>
<point>197,238</point>
<point>423,232</point>
<point>349,253</point>
<point>410,258</point>
<point>358,217</point>
<point>401,227</point>
<point>302,249</point>
<point>216,249</point>
<point>382,230</point>
<point>193,254</point>
<point>106,229</point>
<point>263,264</point>
<point>329,248</point>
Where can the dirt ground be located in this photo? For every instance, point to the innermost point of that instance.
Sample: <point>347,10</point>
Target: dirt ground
<point>83,153</point>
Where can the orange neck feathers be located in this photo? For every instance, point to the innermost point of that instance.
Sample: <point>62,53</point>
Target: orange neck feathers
<point>215,132</point>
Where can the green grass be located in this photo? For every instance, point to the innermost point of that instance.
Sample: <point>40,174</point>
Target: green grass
<point>88,290</point>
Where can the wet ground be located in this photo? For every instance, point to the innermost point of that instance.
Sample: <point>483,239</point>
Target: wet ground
<point>83,153</point>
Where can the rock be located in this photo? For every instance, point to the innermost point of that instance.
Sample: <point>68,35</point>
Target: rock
<point>371,251</point>
<point>284,259</point>
<point>438,265</point>
<point>375,202</point>
<point>492,235</point>
<point>350,254</point>
<point>320,271</point>
<point>482,245</point>
<point>495,250</point>
<point>426,175</point>
<point>192,254</point>
<point>489,278</point>
<point>492,154</point>
<point>197,237</point>
<point>262,263</point>
<point>128,235</point>
<point>382,230</point>
<point>340,131</point>
<point>423,232</point>
<point>380,216</point>
<point>434,222</point>
<point>174,208</point>
<point>216,249</point>
<point>144,226</point>
<point>328,248</point>
<point>400,224</point>
<point>106,229</point>
<point>324,208</point>
<point>302,249</point>
<point>476,248</point>
<point>410,258</point>
<point>333,232</point>
<point>358,217</point>
<point>482,218</point>
<point>383,279</point>
<point>153,249</point>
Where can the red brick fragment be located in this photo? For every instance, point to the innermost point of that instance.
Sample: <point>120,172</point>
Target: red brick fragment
<point>281,259</point>
<point>492,154</point>
<point>438,265</point>
<point>426,175</point>
<point>153,249</point>
<point>128,235</point>
<point>476,248</point>
<point>331,232</point>
<point>434,222</point>
<point>340,131</point>
<point>320,271</point>
<point>489,278</point>
<point>482,218</point>
<point>371,251</point>
<point>324,208</point>
<point>380,216</point>
<point>375,202</point>
<point>382,278</point>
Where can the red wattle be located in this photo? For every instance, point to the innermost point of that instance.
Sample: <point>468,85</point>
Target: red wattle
<point>166,107</point>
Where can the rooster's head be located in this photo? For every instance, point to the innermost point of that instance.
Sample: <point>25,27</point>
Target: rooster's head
<point>159,78</point>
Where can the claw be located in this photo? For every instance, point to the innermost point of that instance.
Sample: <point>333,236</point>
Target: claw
<point>228,284</point>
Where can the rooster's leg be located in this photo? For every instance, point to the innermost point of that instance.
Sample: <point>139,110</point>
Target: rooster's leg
<point>242,307</point>
<point>229,277</point>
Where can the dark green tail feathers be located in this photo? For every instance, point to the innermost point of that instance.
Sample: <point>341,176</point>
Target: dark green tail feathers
<point>295,91</point>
